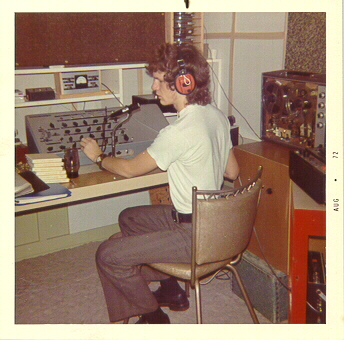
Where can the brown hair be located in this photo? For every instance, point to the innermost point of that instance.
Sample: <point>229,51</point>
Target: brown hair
<point>164,59</point>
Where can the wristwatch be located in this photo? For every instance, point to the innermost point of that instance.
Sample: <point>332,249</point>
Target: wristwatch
<point>100,159</point>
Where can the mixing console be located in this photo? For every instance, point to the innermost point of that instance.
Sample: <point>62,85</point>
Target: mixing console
<point>54,132</point>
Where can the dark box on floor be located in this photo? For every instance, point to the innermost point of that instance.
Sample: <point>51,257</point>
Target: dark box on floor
<point>267,294</point>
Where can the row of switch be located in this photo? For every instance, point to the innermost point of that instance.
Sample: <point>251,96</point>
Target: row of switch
<point>85,123</point>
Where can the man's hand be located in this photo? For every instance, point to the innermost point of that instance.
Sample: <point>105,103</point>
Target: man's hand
<point>139,165</point>
<point>91,148</point>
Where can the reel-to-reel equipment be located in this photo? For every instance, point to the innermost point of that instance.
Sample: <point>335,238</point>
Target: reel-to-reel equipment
<point>294,108</point>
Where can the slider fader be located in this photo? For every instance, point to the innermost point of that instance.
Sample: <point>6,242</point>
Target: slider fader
<point>54,132</point>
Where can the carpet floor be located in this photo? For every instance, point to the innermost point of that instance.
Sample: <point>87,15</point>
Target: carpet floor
<point>64,288</point>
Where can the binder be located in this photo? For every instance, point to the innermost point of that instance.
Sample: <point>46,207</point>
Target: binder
<point>22,186</point>
<point>42,191</point>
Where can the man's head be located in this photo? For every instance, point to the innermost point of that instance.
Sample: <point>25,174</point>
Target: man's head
<point>164,61</point>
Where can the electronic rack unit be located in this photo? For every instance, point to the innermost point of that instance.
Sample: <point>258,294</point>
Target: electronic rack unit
<point>294,108</point>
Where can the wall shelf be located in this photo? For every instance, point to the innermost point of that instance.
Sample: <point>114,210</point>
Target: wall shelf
<point>23,71</point>
<point>64,100</point>
<point>112,73</point>
<point>122,82</point>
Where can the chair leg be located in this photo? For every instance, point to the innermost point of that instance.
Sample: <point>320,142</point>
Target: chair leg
<point>198,302</point>
<point>187,288</point>
<point>244,293</point>
<point>126,320</point>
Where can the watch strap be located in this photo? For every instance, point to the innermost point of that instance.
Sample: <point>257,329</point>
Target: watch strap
<point>100,160</point>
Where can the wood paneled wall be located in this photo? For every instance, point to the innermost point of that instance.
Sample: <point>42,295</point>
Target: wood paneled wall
<point>44,39</point>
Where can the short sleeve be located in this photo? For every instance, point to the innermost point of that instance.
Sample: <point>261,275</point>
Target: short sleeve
<point>167,147</point>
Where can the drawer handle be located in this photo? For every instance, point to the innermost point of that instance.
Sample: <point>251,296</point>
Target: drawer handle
<point>269,191</point>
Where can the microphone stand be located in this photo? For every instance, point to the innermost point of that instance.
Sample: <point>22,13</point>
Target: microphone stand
<point>118,123</point>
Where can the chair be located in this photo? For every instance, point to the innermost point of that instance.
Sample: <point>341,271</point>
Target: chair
<point>222,225</point>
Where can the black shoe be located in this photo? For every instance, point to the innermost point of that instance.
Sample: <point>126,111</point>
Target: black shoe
<point>161,318</point>
<point>177,303</point>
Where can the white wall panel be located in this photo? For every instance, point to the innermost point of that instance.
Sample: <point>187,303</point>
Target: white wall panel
<point>242,70</point>
<point>217,22</point>
<point>260,22</point>
<point>251,59</point>
<point>222,48</point>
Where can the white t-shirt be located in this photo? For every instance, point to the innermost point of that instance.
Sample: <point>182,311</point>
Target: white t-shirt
<point>194,150</point>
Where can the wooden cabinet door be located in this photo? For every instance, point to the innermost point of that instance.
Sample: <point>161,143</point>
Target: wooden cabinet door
<point>272,223</point>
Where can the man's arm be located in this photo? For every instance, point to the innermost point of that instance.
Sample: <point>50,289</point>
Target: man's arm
<point>232,168</point>
<point>139,165</point>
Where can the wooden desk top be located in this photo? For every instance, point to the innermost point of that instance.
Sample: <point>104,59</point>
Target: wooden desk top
<point>96,185</point>
<point>273,151</point>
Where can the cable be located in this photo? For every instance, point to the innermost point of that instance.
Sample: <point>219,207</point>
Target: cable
<point>213,72</point>
<point>315,310</point>
<point>224,274</point>
<point>213,90</point>
<point>242,138</point>
<point>220,273</point>
<point>267,262</point>
<point>113,93</point>
<point>104,140</point>
<point>225,94</point>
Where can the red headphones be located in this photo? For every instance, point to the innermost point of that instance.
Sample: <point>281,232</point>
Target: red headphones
<point>184,82</point>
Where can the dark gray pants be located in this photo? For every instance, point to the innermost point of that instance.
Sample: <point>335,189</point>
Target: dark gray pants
<point>149,235</point>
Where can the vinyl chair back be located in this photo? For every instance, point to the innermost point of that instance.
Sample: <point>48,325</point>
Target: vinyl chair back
<point>222,224</point>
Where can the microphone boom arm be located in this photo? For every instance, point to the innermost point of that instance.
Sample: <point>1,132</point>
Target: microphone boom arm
<point>113,133</point>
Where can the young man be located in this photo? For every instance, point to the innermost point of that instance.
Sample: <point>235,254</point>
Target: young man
<point>196,150</point>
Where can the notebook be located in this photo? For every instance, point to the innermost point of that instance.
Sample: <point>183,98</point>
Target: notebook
<point>42,191</point>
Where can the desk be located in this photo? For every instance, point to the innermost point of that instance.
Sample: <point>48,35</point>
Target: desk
<point>308,218</point>
<point>45,227</point>
<point>97,185</point>
<point>287,218</point>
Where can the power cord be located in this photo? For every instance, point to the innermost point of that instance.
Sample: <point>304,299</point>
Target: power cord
<point>218,275</point>
<point>267,262</point>
<point>113,93</point>
<point>229,101</point>
<point>105,120</point>
<point>225,94</point>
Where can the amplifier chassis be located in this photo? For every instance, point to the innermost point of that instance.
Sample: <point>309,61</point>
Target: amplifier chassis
<point>294,108</point>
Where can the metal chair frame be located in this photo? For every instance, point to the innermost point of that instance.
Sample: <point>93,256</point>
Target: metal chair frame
<point>195,271</point>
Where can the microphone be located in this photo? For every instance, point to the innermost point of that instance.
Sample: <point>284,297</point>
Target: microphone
<point>126,109</point>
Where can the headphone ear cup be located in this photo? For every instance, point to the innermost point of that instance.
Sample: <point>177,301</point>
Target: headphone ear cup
<point>185,83</point>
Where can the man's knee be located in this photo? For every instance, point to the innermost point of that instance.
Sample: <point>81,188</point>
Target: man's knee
<point>104,254</point>
<point>125,215</point>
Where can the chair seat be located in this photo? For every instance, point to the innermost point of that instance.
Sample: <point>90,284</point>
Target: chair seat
<point>222,224</point>
<point>183,270</point>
